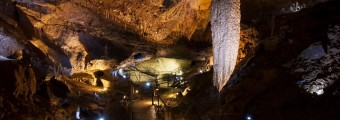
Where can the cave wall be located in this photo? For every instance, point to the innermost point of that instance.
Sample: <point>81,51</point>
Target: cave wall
<point>62,38</point>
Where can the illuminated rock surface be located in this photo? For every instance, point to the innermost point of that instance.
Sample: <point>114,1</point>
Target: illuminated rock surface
<point>8,45</point>
<point>225,27</point>
<point>319,71</point>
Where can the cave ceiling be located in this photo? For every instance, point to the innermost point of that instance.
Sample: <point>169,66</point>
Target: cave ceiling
<point>74,33</point>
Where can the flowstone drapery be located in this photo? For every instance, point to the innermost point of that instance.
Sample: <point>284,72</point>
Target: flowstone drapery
<point>225,27</point>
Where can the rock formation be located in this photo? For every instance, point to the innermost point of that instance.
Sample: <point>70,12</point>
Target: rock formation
<point>225,27</point>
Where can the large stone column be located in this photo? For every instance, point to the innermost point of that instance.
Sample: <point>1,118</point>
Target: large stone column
<point>225,27</point>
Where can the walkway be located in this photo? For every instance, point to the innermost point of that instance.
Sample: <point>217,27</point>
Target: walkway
<point>144,110</point>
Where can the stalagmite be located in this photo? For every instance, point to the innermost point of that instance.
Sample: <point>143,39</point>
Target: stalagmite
<point>225,27</point>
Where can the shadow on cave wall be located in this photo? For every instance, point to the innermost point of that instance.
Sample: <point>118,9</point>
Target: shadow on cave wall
<point>98,48</point>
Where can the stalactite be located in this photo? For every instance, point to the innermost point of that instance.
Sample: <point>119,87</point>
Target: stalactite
<point>225,27</point>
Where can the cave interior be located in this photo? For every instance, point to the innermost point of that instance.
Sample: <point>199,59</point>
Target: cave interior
<point>169,59</point>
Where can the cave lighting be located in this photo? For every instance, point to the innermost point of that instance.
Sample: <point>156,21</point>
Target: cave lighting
<point>248,117</point>
<point>201,71</point>
<point>319,92</point>
<point>114,73</point>
<point>104,89</point>
<point>186,91</point>
<point>295,7</point>
<point>101,119</point>
<point>148,84</point>
<point>96,96</point>
<point>78,113</point>
<point>171,95</point>
<point>180,72</point>
<point>121,72</point>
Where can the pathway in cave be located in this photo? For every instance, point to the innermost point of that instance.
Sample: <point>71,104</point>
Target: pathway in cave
<point>144,110</point>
